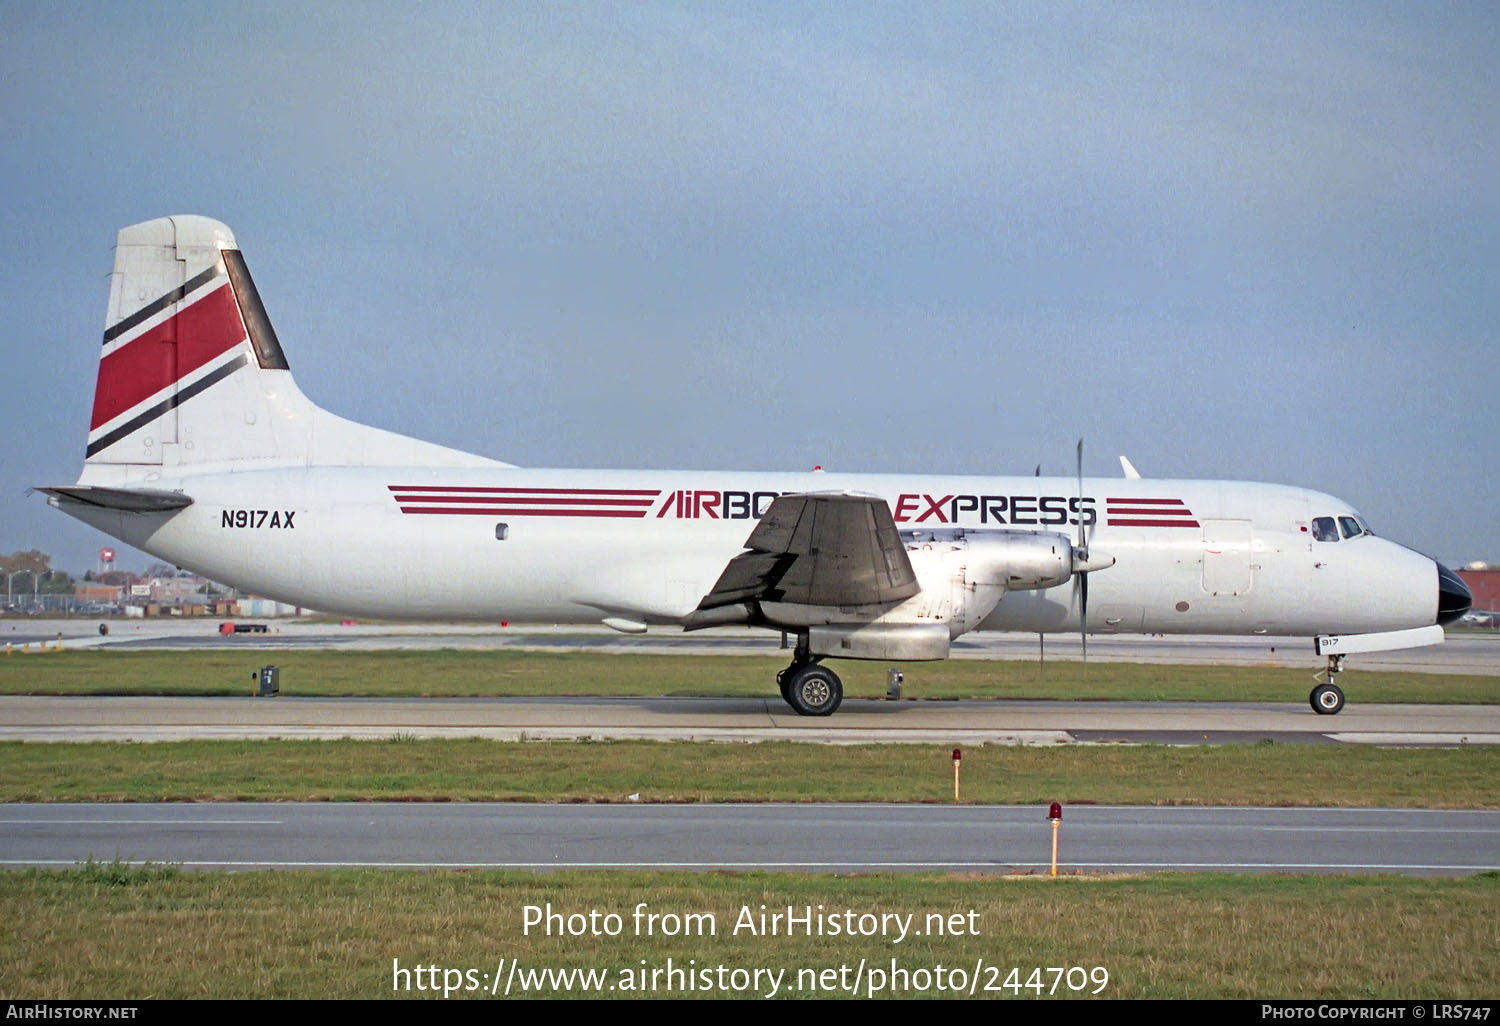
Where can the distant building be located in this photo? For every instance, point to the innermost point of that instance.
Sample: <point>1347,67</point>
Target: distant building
<point>108,594</point>
<point>1484,585</point>
<point>167,595</point>
<point>178,590</point>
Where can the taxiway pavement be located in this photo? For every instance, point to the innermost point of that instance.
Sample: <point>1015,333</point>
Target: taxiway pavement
<point>859,721</point>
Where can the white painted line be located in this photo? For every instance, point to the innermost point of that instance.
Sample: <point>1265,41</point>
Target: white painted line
<point>998,865</point>
<point>385,732</point>
<point>1412,738</point>
<point>142,822</point>
<point>1078,808</point>
<point>1410,829</point>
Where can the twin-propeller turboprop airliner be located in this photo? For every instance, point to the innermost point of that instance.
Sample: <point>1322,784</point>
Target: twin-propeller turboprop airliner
<point>203,452</point>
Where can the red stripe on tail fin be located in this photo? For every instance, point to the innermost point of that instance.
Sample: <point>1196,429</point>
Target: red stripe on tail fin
<point>166,353</point>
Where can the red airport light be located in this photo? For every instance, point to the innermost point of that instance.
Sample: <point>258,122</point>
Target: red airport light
<point>957,755</point>
<point>1055,812</point>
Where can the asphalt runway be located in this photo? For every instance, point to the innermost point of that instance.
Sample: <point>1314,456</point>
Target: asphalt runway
<point>807,837</point>
<point>1461,653</point>
<point>859,721</point>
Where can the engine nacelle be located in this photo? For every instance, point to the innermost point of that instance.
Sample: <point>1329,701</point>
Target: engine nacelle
<point>965,574</point>
<point>1020,560</point>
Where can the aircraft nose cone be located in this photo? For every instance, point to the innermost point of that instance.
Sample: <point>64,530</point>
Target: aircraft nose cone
<point>1454,599</point>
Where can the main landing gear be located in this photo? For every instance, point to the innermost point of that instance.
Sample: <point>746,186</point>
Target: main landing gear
<point>810,689</point>
<point>1326,699</point>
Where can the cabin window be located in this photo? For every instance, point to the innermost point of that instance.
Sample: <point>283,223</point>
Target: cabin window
<point>1324,529</point>
<point>502,531</point>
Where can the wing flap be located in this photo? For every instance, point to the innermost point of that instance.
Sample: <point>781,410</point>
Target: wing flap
<point>819,550</point>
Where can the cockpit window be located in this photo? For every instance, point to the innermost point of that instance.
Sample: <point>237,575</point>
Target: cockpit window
<point>1350,527</point>
<point>1324,529</point>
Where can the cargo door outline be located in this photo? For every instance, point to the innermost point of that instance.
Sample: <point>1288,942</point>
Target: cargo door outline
<point>1227,548</point>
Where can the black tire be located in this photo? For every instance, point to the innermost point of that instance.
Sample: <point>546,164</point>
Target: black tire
<point>1326,699</point>
<point>813,690</point>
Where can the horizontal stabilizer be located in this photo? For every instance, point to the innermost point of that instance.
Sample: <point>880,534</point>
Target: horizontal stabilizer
<point>125,500</point>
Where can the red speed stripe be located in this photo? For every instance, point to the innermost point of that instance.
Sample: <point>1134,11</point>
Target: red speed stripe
<point>151,362</point>
<point>1148,511</point>
<point>549,500</point>
<point>507,511</point>
<point>652,492</point>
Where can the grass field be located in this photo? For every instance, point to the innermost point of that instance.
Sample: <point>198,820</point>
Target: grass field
<point>111,932</point>
<point>509,672</point>
<point>481,770</point>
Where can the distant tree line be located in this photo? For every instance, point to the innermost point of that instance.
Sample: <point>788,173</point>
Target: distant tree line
<point>31,571</point>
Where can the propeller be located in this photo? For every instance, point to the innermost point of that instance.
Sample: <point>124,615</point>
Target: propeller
<point>1084,564</point>
<point>1041,639</point>
<point>1080,576</point>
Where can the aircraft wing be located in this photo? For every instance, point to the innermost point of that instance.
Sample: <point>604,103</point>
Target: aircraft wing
<point>126,500</point>
<point>819,550</point>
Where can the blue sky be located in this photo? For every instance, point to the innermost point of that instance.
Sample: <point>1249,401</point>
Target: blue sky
<point>1250,241</point>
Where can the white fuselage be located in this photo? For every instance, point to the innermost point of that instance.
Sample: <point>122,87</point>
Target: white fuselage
<point>645,546</point>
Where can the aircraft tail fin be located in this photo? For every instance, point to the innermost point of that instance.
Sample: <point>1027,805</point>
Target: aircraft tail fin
<point>193,377</point>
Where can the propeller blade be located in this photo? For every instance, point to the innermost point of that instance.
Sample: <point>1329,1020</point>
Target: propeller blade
<point>1081,545</point>
<point>1081,576</point>
<point>1083,617</point>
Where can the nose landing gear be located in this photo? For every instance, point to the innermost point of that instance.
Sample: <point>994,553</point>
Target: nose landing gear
<point>1326,699</point>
